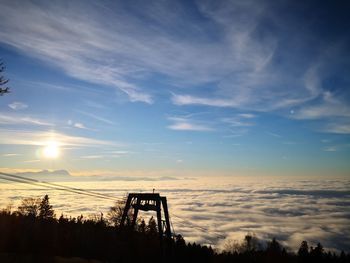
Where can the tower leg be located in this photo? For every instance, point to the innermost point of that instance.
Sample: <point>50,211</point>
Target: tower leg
<point>125,212</point>
<point>159,218</point>
<point>166,215</point>
<point>136,211</point>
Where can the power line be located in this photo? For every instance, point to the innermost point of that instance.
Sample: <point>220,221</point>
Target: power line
<point>54,186</point>
<point>51,187</point>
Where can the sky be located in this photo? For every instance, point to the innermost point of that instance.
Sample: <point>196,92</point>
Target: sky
<point>167,88</point>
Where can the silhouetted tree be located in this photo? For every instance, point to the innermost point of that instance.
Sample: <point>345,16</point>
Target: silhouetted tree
<point>45,209</point>
<point>317,253</point>
<point>115,213</point>
<point>180,241</point>
<point>274,246</point>
<point>142,226</point>
<point>250,243</point>
<point>303,252</point>
<point>29,207</point>
<point>152,227</point>
<point>343,257</point>
<point>7,209</point>
<point>232,246</point>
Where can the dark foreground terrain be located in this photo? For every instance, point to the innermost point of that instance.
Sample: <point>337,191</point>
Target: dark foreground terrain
<point>32,233</point>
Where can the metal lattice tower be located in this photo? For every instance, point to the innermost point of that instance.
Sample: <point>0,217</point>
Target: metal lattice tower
<point>148,202</point>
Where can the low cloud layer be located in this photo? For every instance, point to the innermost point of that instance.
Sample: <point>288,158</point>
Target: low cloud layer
<point>211,211</point>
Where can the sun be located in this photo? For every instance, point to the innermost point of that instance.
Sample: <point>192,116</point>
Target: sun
<point>51,150</point>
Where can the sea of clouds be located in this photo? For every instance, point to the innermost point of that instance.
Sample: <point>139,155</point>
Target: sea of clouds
<point>213,210</point>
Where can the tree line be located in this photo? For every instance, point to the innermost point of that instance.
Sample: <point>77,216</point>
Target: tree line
<point>33,233</point>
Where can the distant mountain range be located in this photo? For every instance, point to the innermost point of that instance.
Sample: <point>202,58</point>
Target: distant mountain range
<point>64,175</point>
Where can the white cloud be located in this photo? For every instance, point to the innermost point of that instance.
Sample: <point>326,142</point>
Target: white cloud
<point>10,154</point>
<point>16,119</point>
<point>192,100</point>
<point>80,42</point>
<point>96,117</point>
<point>184,124</point>
<point>120,152</point>
<point>323,110</point>
<point>273,134</point>
<point>312,81</point>
<point>290,209</point>
<point>16,105</point>
<point>237,121</point>
<point>92,157</point>
<point>227,54</point>
<point>340,128</point>
<point>330,149</point>
<point>40,138</point>
<point>32,161</point>
<point>333,111</point>
<point>79,125</point>
<point>247,115</point>
<point>52,34</point>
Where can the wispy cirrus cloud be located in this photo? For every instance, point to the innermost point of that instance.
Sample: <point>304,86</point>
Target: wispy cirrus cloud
<point>119,55</point>
<point>109,155</point>
<point>185,124</point>
<point>32,161</point>
<point>41,138</point>
<point>273,134</point>
<point>79,125</point>
<point>332,110</point>
<point>10,154</point>
<point>328,106</point>
<point>340,128</point>
<point>92,157</point>
<point>193,100</point>
<point>330,149</point>
<point>233,126</point>
<point>96,117</point>
<point>53,39</point>
<point>243,61</point>
<point>17,105</point>
<point>20,119</point>
<point>240,120</point>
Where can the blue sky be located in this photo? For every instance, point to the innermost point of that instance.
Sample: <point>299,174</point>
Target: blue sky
<point>176,87</point>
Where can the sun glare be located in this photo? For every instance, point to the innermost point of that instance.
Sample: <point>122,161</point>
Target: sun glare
<point>51,150</point>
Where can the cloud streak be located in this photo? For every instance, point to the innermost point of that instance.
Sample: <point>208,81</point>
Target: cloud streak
<point>185,124</point>
<point>16,119</point>
<point>17,105</point>
<point>96,117</point>
<point>41,138</point>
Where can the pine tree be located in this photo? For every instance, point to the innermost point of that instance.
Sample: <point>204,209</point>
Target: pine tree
<point>303,252</point>
<point>152,227</point>
<point>45,209</point>
<point>142,226</point>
